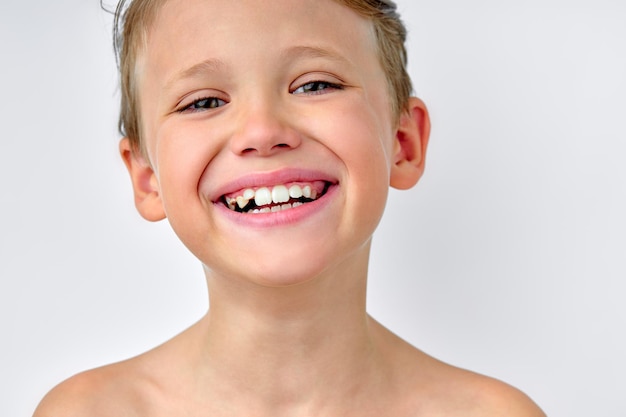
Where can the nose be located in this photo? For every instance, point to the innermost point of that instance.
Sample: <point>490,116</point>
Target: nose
<point>264,130</point>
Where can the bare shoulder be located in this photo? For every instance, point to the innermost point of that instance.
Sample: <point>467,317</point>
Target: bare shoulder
<point>111,390</point>
<point>458,392</point>
<point>430,387</point>
<point>147,384</point>
<point>490,397</point>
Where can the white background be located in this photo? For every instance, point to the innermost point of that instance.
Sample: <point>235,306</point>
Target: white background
<point>509,258</point>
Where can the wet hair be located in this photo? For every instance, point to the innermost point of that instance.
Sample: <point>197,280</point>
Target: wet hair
<point>133,18</point>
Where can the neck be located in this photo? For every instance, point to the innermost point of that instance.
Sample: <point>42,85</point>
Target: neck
<point>297,346</point>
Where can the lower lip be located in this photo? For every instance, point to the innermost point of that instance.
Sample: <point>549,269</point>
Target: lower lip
<point>280,218</point>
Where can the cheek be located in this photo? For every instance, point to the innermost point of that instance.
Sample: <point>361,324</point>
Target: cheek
<point>182,155</point>
<point>364,145</point>
<point>365,139</point>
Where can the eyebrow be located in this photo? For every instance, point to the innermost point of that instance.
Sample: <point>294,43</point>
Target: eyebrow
<point>213,64</point>
<point>312,52</point>
<point>201,68</point>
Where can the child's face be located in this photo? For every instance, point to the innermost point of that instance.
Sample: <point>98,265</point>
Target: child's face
<point>245,95</point>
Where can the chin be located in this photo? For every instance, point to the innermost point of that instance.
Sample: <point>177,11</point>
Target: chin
<point>277,275</point>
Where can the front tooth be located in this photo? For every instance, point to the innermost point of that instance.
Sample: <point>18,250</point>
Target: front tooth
<point>306,191</point>
<point>280,194</point>
<point>263,196</point>
<point>275,209</point>
<point>295,191</point>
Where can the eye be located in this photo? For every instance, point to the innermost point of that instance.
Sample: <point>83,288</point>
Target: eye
<point>202,104</point>
<point>316,87</point>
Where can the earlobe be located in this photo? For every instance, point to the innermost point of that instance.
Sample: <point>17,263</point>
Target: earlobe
<point>144,181</point>
<point>410,145</point>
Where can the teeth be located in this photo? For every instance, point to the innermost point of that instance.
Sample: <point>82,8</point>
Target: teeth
<point>263,196</point>
<point>248,194</point>
<point>280,194</point>
<point>242,202</point>
<point>277,195</point>
<point>295,191</point>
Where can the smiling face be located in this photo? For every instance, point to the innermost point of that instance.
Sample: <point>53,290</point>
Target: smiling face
<point>269,132</point>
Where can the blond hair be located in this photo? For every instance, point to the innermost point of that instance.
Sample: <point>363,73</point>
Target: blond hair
<point>133,19</point>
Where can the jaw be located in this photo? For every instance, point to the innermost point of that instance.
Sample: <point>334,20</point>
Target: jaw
<point>292,264</point>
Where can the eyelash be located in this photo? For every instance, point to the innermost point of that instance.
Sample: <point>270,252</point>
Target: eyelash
<point>316,90</point>
<point>208,103</point>
<point>196,106</point>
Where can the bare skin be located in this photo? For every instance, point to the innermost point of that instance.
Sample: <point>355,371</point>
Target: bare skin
<point>287,334</point>
<point>414,384</point>
<point>311,365</point>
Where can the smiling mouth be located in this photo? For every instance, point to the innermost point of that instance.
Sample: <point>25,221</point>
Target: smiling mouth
<point>276,198</point>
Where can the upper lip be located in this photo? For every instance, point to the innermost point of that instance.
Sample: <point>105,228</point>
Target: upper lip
<point>268,179</point>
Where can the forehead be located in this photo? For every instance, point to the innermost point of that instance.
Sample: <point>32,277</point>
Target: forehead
<point>185,31</point>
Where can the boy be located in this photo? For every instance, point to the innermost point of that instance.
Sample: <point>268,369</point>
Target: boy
<point>268,133</point>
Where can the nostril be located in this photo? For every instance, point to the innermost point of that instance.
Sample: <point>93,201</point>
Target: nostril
<point>281,145</point>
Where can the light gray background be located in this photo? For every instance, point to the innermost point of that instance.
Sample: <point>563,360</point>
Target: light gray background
<point>509,258</point>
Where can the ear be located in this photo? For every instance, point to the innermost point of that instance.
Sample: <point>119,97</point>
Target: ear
<point>410,145</point>
<point>145,183</point>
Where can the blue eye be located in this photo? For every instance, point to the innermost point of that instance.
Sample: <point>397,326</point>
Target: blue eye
<point>316,87</point>
<point>203,104</point>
